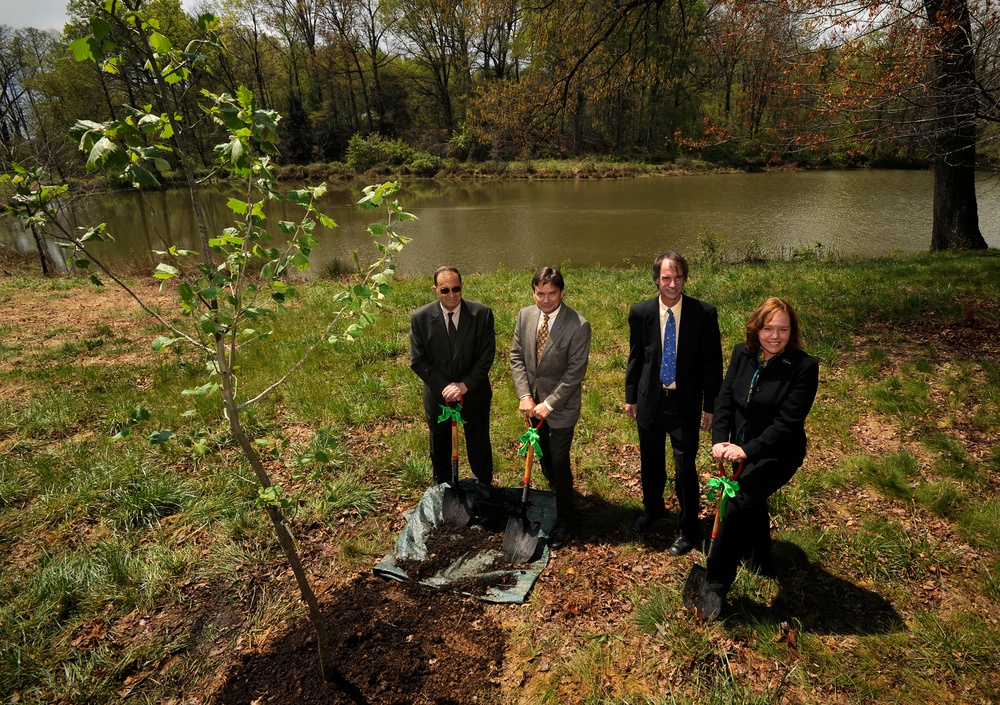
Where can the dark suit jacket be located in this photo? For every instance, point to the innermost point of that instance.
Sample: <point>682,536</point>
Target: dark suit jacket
<point>699,359</point>
<point>431,357</point>
<point>558,376</point>
<point>773,422</point>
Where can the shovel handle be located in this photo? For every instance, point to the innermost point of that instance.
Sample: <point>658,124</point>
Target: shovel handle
<point>527,462</point>
<point>718,508</point>
<point>454,435</point>
<point>527,475</point>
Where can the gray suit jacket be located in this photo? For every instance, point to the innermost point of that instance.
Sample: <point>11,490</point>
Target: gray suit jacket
<point>558,377</point>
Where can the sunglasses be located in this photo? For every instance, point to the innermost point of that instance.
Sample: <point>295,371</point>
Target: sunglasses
<point>445,290</point>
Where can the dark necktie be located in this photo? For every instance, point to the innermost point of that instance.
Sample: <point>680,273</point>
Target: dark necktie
<point>452,331</point>
<point>543,335</point>
<point>668,365</point>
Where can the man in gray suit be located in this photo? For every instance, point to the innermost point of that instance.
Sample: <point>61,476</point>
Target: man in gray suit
<point>452,347</point>
<point>548,360</point>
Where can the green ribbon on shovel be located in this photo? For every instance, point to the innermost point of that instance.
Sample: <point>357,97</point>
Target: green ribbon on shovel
<point>530,437</point>
<point>451,413</point>
<point>729,489</point>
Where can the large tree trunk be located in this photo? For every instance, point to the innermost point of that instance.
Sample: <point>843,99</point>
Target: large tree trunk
<point>956,214</point>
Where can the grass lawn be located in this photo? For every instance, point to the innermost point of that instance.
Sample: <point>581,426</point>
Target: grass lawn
<point>888,539</point>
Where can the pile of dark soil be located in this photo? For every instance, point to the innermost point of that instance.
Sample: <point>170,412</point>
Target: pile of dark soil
<point>447,544</point>
<point>393,644</point>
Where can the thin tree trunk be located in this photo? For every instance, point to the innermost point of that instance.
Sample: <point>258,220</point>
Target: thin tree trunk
<point>285,538</point>
<point>41,251</point>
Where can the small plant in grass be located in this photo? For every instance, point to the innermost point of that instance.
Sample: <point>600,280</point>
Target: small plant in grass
<point>414,473</point>
<point>712,247</point>
<point>980,523</point>
<point>953,461</point>
<point>884,551</point>
<point>943,498</point>
<point>892,475</point>
<point>350,494</point>
<point>240,279</point>
<point>991,579</point>
<point>963,643</point>
<point>906,397</point>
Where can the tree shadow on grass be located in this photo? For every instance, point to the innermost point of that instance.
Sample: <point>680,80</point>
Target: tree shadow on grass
<point>818,601</point>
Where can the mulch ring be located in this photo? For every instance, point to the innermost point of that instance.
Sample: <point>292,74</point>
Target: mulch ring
<point>393,643</point>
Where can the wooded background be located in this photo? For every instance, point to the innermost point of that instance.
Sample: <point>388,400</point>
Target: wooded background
<point>740,83</point>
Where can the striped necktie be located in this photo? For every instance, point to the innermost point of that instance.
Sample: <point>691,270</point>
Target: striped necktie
<point>543,335</point>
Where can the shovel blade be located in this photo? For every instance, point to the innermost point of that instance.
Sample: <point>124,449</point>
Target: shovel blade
<point>456,507</point>
<point>695,587</point>
<point>520,539</point>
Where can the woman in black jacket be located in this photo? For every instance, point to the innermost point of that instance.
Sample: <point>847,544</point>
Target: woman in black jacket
<point>759,420</point>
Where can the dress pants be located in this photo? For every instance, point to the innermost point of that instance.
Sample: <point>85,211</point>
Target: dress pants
<point>683,433</point>
<point>745,534</point>
<point>477,444</point>
<point>556,466</point>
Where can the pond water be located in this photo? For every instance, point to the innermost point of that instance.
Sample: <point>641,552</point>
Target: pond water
<point>479,226</point>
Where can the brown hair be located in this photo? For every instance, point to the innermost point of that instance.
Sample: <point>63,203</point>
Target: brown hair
<point>679,263</point>
<point>760,317</point>
<point>547,275</point>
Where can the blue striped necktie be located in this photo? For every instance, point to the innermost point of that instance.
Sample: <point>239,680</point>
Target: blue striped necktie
<point>668,365</point>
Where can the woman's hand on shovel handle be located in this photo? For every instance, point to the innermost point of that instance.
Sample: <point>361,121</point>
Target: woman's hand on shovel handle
<point>728,451</point>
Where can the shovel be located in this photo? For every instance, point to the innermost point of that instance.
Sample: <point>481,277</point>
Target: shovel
<point>520,538</point>
<point>456,506</point>
<point>697,580</point>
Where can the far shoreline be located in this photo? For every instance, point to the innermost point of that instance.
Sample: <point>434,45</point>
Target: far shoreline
<point>452,171</point>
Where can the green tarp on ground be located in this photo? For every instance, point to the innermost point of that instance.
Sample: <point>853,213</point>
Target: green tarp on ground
<point>427,516</point>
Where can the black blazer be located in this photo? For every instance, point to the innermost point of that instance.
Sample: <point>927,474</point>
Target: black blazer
<point>772,424</point>
<point>431,357</point>
<point>699,359</point>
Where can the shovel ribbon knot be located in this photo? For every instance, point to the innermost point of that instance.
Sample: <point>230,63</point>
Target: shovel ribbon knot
<point>728,487</point>
<point>530,437</point>
<point>451,413</point>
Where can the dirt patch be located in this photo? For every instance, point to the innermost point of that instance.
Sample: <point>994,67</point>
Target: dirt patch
<point>946,345</point>
<point>975,335</point>
<point>99,322</point>
<point>392,643</point>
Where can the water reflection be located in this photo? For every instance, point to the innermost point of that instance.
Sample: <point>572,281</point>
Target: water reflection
<point>481,225</point>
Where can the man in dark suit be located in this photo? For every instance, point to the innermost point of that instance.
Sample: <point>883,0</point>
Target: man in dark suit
<point>674,374</point>
<point>548,361</point>
<point>452,347</point>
